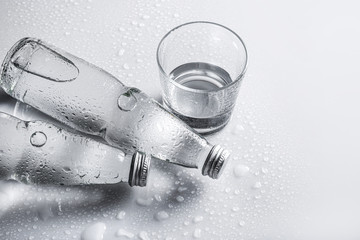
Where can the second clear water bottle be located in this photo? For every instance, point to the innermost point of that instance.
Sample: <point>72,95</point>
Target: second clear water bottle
<point>42,153</point>
<point>93,101</point>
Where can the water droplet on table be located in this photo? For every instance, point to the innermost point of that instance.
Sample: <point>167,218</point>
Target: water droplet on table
<point>235,209</point>
<point>123,233</point>
<point>143,235</point>
<point>94,232</point>
<point>181,189</point>
<point>197,233</point>
<point>144,201</point>
<point>121,215</point>
<point>241,170</point>
<point>121,52</point>
<point>161,216</point>
<point>180,198</point>
<point>241,223</point>
<point>257,185</point>
<point>157,197</point>
<point>126,66</point>
<point>198,219</point>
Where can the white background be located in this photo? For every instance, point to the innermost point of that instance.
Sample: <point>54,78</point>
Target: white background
<point>295,124</point>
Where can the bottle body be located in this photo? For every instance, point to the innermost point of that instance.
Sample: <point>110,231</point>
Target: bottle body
<point>91,100</point>
<point>41,153</point>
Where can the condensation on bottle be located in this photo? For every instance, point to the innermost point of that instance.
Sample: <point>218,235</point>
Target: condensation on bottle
<point>41,153</point>
<point>93,101</point>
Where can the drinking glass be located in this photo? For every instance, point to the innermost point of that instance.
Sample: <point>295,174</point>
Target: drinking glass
<point>201,65</point>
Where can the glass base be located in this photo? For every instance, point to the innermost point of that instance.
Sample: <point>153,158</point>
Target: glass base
<point>204,126</point>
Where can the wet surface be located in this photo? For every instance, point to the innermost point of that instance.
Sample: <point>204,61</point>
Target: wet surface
<point>286,141</point>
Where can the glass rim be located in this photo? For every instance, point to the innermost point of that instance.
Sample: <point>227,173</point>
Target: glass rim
<point>238,78</point>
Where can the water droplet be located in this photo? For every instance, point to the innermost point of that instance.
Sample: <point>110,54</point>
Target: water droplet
<point>143,235</point>
<point>237,129</point>
<point>121,215</point>
<point>144,201</point>
<point>121,52</point>
<point>67,169</point>
<point>126,66</point>
<point>123,233</point>
<point>197,233</point>
<point>157,197</point>
<point>181,189</point>
<point>257,185</point>
<point>38,139</point>
<point>127,101</point>
<point>198,219</point>
<point>235,209</point>
<point>241,170</point>
<point>94,232</point>
<point>180,198</point>
<point>242,223</point>
<point>161,216</point>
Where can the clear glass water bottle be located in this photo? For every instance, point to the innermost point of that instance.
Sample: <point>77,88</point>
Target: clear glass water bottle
<point>42,153</point>
<point>93,101</point>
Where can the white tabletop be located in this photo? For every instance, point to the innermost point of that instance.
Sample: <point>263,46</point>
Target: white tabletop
<point>295,127</point>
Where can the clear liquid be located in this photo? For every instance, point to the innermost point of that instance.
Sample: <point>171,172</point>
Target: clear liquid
<point>92,101</point>
<point>201,76</point>
<point>202,109</point>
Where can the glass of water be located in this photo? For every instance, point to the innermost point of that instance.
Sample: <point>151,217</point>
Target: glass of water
<point>201,67</point>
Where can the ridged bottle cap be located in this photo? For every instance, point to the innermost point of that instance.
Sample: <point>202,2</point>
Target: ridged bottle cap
<point>140,166</point>
<point>215,162</point>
